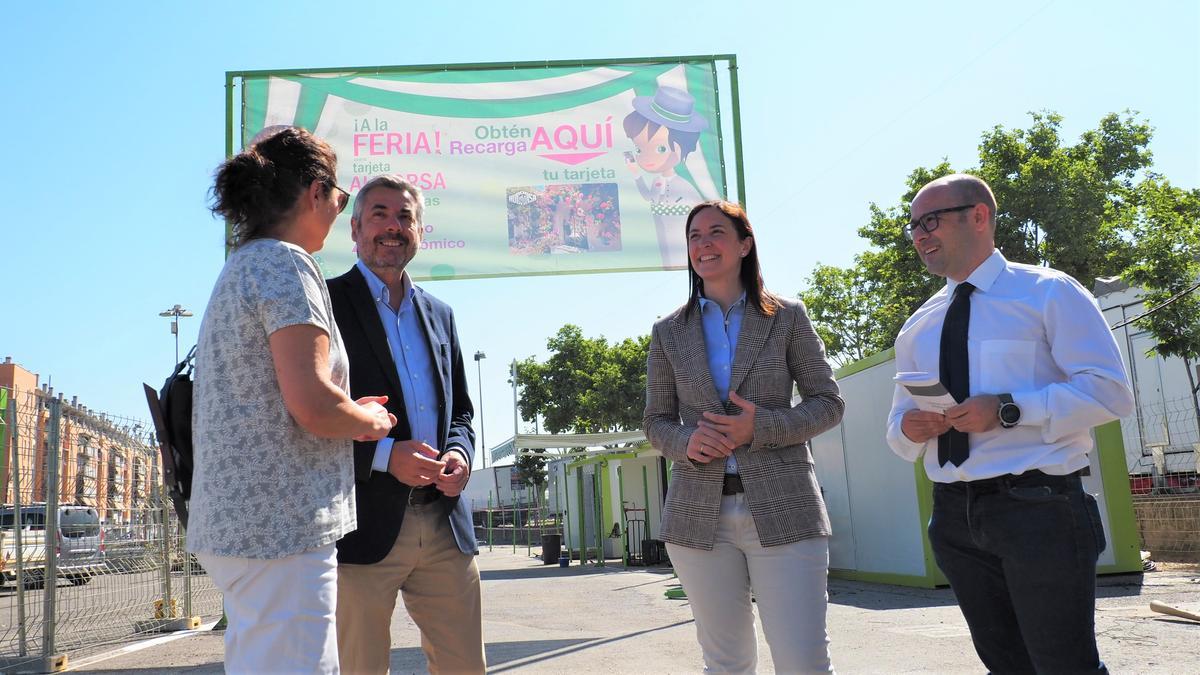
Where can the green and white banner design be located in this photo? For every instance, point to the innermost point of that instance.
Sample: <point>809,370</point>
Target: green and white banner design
<point>528,170</point>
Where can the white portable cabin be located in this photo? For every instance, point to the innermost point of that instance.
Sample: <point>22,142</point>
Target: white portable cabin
<point>1160,437</point>
<point>879,505</point>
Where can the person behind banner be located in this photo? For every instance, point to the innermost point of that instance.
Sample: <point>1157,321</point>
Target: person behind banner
<point>415,536</point>
<point>1026,353</point>
<point>744,514</point>
<point>273,488</point>
<point>665,130</point>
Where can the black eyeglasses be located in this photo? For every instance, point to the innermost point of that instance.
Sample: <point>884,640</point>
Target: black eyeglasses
<point>930,221</point>
<point>342,199</point>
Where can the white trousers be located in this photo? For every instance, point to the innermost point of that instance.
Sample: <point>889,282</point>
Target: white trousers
<point>280,612</point>
<point>789,583</point>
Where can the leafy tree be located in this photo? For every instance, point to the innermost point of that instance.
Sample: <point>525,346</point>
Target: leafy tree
<point>531,469</point>
<point>858,311</point>
<point>1068,207</point>
<point>1165,261</point>
<point>1064,206</point>
<point>587,385</point>
<point>846,304</point>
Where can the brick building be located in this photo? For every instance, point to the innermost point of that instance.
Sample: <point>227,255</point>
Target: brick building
<point>105,462</point>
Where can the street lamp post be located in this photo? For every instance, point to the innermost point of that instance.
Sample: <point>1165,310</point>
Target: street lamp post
<point>513,371</point>
<point>175,313</point>
<point>479,357</point>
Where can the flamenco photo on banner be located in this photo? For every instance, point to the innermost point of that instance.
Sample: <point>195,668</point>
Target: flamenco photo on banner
<point>569,218</point>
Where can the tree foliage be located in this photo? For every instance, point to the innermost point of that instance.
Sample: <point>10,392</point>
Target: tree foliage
<point>842,310</point>
<point>1165,261</point>
<point>531,469</point>
<point>587,385</point>
<point>1066,206</point>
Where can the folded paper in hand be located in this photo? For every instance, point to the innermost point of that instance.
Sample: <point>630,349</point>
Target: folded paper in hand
<point>927,391</point>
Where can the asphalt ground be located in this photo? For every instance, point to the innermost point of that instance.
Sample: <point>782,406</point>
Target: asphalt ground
<point>546,619</point>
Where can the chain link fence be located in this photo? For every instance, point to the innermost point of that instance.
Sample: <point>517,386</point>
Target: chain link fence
<point>89,553</point>
<point>1162,448</point>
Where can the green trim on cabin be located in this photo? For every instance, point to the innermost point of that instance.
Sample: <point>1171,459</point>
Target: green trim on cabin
<point>924,487</point>
<point>601,458</point>
<point>1122,523</point>
<point>867,362</point>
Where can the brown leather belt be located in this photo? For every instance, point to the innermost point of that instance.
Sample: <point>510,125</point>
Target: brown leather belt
<point>732,485</point>
<point>423,495</point>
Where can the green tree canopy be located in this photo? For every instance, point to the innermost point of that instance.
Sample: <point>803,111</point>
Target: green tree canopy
<point>587,385</point>
<point>1066,206</point>
<point>531,469</point>
<point>1164,260</point>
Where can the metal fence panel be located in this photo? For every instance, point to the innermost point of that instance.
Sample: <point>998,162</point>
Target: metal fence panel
<point>1162,446</point>
<point>85,559</point>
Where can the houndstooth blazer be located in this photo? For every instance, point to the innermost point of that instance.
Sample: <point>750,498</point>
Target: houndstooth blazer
<point>777,466</point>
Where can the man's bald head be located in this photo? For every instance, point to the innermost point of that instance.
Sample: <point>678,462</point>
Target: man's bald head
<point>965,189</point>
<point>956,225</point>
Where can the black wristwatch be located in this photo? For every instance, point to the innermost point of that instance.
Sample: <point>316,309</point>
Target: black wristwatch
<point>1009,413</point>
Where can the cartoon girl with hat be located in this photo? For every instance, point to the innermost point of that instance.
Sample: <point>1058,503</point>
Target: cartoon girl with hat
<point>665,130</point>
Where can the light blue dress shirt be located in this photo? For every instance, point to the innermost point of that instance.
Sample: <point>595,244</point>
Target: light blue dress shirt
<point>414,364</point>
<point>720,343</point>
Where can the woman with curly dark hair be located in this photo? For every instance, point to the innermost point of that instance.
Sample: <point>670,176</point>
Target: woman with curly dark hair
<point>272,422</point>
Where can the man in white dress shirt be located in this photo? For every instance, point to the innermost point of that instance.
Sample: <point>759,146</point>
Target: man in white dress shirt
<point>1028,356</point>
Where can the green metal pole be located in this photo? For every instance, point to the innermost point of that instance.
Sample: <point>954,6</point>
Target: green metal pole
<point>491,538</point>
<point>229,114</point>
<point>624,519</point>
<point>720,131</point>
<point>515,519</point>
<point>597,486</point>
<point>646,497</point>
<point>229,138</point>
<point>737,129</point>
<point>566,522</point>
<point>582,520</point>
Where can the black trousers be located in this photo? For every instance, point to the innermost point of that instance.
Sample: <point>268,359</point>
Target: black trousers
<point>1020,553</point>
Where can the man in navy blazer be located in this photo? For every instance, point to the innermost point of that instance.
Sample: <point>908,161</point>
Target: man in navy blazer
<point>415,536</point>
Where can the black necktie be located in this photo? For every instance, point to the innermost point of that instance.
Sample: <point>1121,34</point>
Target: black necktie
<point>955,370</point>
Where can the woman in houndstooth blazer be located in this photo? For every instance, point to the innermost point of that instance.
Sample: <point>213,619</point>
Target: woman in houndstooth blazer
<point>744,514</point>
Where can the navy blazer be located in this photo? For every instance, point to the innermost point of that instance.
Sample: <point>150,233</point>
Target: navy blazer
<point>380,497</point>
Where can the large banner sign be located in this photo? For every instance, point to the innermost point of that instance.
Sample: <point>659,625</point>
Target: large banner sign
<point>525,169</point>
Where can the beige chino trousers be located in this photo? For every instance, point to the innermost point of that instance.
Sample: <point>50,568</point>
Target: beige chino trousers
<point>440,587</point>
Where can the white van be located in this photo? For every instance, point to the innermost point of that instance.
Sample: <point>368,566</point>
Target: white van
<point>79,543</point>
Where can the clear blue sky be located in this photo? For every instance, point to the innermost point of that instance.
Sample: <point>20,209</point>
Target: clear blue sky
<point>113,117</point>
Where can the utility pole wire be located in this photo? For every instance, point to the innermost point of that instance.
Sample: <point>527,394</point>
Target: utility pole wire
<point>1168,301</point>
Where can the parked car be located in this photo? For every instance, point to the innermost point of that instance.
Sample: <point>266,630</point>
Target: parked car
<point>128,549</point>
<point>78,543</point>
